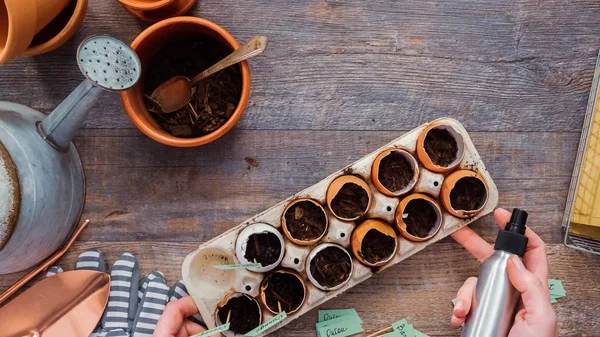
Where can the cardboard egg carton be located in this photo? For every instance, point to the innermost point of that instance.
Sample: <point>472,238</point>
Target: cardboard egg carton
<point>209,285</point>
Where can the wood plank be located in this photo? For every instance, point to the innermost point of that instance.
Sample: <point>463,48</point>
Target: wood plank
<point>376,65</point>
<point>420,288</point>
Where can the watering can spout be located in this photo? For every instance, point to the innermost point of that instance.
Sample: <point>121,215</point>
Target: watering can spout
<point>59,128</point>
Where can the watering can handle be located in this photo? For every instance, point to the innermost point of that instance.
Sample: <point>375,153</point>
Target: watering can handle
<point>59,128</point>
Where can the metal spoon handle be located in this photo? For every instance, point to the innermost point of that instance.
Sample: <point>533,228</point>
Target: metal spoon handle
<point>254,47</point>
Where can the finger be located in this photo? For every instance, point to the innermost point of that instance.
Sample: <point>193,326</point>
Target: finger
<point>122,301</point>
<point>174,316</point>
<point>473,243</point>
<point>464,298</point>
<point>534,292</point>
<point>178,291</point>
<point>192,328</point>
<point>535,259</point>
<point>91,259</point>
<point>155,299</point>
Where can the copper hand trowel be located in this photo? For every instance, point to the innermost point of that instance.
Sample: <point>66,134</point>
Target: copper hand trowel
<point>68,304</point>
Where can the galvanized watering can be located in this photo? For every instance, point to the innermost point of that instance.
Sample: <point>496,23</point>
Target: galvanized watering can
<point>42,185</point>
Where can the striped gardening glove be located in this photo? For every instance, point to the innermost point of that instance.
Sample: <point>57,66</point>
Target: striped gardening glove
<point>134,306</point>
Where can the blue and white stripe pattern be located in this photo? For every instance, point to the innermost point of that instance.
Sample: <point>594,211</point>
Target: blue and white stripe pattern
<point>53,271</point>
<point>152,304</point>
<point>122,301</point>
<point>91,259</point>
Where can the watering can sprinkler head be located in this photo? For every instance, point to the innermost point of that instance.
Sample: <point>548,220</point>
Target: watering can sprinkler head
<point>107,64</point>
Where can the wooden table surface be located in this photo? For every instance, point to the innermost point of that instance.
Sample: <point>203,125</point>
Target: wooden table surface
<point>340,79</point>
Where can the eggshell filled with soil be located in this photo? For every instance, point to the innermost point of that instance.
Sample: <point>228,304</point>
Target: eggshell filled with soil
<point>374,243</point>
<point>464,193</point>
<point>394,172</point>
<point>260,243</point>
<point>329,266</point>
<point>304,221</point>
<point>241,311</point>
<point>283,290</point>
<point>440,148</point>
<point>348,197</point>
<point>418,217</point>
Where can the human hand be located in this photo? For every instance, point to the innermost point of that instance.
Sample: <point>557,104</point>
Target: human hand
<point>174,322</point>
<point>535,316</point>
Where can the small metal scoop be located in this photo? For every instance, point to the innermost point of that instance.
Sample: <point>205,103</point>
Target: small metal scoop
<point>176,92</point>
<point>68,304</point>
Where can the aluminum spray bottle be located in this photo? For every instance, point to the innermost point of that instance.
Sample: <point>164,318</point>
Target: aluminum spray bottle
<point>495,300</point>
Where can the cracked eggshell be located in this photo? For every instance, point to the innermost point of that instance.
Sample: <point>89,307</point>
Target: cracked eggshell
<point>263,287</point>
<point>224,301</point>
<point>361,231</point>
<point>448,186</point>
<point>242,242</point>
<point>400,219</point>
<point>375,172</point>
<point>424,157</point>
<point>338,183</point>
<point>286,231</point>
<point>314,253</point>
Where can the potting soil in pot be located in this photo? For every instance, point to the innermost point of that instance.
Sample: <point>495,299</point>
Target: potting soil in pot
<point>283,290</point>
<point>305,221</point>
<point>468,194</point>
<point>420,218</point>
<point>441,147</point>
<point>263,248</point>
<point>395,172</point>
<point>351,201</point>
<point>377,246</point>
<point>10,196</point>
<point>214,99</point>
<point>331,267</point>
<point>244,317</point>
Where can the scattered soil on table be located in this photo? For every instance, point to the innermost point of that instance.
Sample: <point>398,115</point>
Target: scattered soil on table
<point>331,267</point>
<point>285,290</point>
<point>419,217</point>
<point>251,161</point>
<point>244,317</point>
<point>263,248</point>
<point>468,194</point>
<point>377,246</point>
<point>55,26</point>
<point>441,147</point>
<point>305,221</point>
<point>214,99</point>
<point>395,172</point>
<point>350,202</point>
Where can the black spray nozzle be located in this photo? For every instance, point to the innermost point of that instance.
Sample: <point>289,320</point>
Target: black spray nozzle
<point>517,222</point>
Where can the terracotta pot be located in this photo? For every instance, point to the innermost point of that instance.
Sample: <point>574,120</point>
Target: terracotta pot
<point>449,185</point>
<point>157,10</point>
<point>314,253</point>
<point>358,236</point>
<point>377,164</point>
<point>338,183</point>
<point>243,241</point>
<point>286,230</point>
<point>151,41</point>
<point>20,20</point>
<point>224,302</point>
<point>424,157</point>
<point>62,28</point>
<point>400,211</point>
<point>264,285</point>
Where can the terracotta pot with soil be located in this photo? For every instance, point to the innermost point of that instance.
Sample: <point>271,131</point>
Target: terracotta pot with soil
<point>186,46</point>
<point>348,197</point>
<point>260,243</point>
<point>157,10</point>
<point>440,148</point>
<point>283,290</point>
<point>304,221</point>
<point>329,266</point>
<point>394,172</point>
<point>241,310</point>
<point>418,217</point>
<point>374,243</point>
<point>464,193</point>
